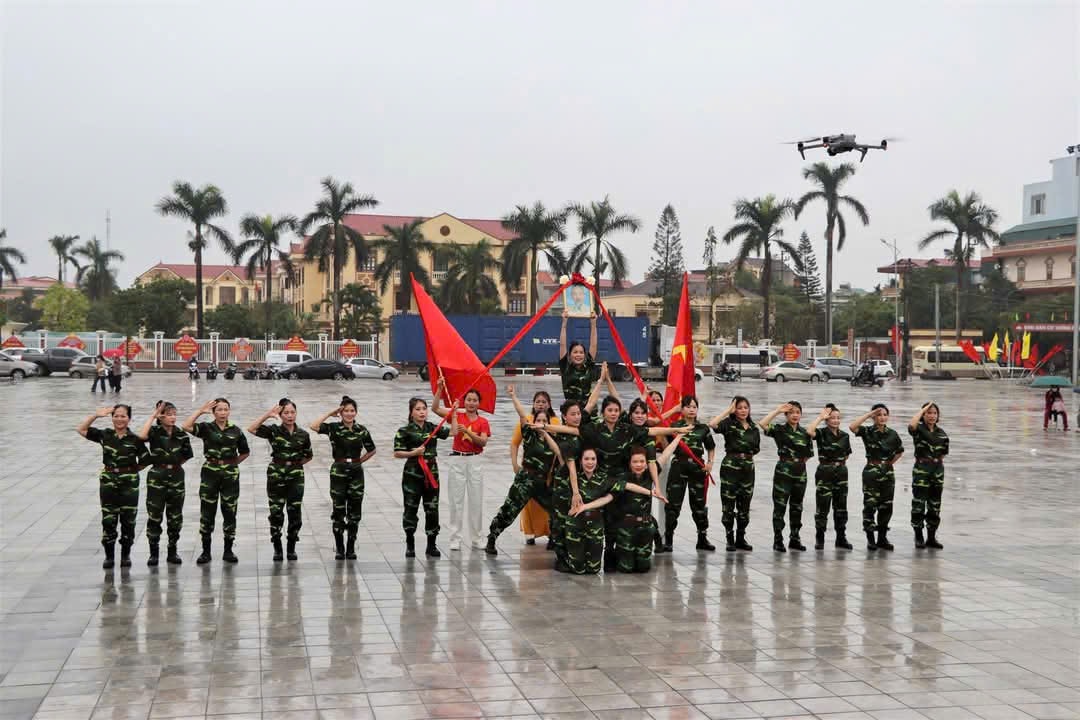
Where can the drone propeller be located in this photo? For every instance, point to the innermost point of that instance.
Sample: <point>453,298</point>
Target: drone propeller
<point>893,139</point>
<point>808,140</point>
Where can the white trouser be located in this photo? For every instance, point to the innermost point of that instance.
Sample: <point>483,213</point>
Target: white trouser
<point>658,507</point>
<point>465,488</point>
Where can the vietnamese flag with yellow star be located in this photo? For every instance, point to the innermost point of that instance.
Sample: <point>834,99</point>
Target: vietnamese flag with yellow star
<point>680,375</point>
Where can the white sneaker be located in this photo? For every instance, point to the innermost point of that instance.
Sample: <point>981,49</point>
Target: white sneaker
<point>455,544</point>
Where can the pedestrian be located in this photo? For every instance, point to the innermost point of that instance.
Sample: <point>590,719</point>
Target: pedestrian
<point>1054,408</point>
<point>290,450</point>
<point>928,474</point>
<point>116,375</point>
<point>351,446</point>
<point>634,526</point>
<point>224,448</point>
<point>534,519</point>
<point>417,444</point>
<point>883,449</point>
<point>170,448</point>
<point>689,474</point>
<point>576,366</point>
<point>465,479</point>
<point>101,374</point>
<point>742,441</point>
<point>564,485</point>
<point>794,447</point>
<point>123,455</point>
<point>831,476</point>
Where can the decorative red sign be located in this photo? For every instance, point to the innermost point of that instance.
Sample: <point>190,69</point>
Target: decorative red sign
<point>349,349</point>
<point>132,348</point>
<point>72,341</point>
<point>791,352</point>
<point>12,342</point>
<point>186,347</point>
<point>296,343</point>
<point>242,349</point>
<point>1043,327</point>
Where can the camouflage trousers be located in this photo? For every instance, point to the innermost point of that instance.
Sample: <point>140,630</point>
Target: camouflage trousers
<point>119,495</point>
<point>527,485</point>
<point>285,493</point>
<point>879,485</point>
<point>685,476</point>
<point>584,543</point>
<point>634,543</point>
<point>346,495</point>
<point>927,484</point>
<point>830,489</point>
<point>415,491</point>
<point>789,489</point>
<point>561,495</point>
<point>218,482</point>
<point>736,491</point>
<point>164,497</point>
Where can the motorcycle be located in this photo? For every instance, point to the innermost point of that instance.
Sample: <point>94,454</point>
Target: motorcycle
<point>727,374</point>
<point>269,373</point>
<point>193,370</point>
<point>212,371</point>
<point>230,371</point>
<point>864,377</point>
<point>251,373</point>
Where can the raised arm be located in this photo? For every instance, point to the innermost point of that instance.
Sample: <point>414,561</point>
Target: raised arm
<point>189,424</point>
<point>857,422</point>
<point>521,411</point>
<point>144,433</point>
<point>336,412</point>
<point>436,405</point>
<point>84,426</point>
<point>917,417</point>
<point>594,505</point>
<point>665,457</point>
<point>592,333</point>
<point>553,445</point>
<point>562,333</point>
<point>722,416</point>
<point>812,430</point>
<point>766,421</point>
<point>594,395</point>
<point>274,412</point>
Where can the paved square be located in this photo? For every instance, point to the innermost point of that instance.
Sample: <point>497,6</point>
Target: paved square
<point>986,628</point>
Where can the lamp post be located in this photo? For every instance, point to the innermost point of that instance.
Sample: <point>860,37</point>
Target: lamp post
<point>1075,151</point>
<point>897,348</point>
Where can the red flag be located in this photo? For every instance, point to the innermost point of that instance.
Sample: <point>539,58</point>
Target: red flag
<point>894,334</point>
<point>446,351</point>
<point>969,350</point>
<point>680,376</point>
<point>1016,354</point>
<point>1052,352</point>
<point>986,350</point>
<point>1033,357</point>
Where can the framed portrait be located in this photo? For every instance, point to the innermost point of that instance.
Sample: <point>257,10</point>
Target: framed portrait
<point>577,300</point>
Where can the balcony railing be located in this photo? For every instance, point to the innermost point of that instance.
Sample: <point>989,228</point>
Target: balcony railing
<point>1056,283</point>
<point>438,275</point>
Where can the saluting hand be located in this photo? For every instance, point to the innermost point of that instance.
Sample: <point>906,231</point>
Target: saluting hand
<point>337,411</point>
<point>104,412</point>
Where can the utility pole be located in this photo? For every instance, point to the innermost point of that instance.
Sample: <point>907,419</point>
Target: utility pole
<point>937,326</point>
<point>1075,150</point>
<point>898,349</point>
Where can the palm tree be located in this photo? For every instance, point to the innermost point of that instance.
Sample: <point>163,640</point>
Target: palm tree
<point>759,229</point>
<point>972,226</point>
<point>263,234</point>
<point>9,256</point>
<point>595,222</point>
<point>96,278</point>
<point>829,180</point>
<point>537,230</point>
<point>400,250</point>
<point>198,207</point>
<point>62,246</point>
<point>468,284</point>
<point>332,240</point>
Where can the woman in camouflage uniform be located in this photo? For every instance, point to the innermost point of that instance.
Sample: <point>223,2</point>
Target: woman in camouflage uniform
<point>575,365</point>
<point>742,441</point>
<point>883,449</point>
<point>416,487</point>
<point>290,450</point>
<point>123,454</point>
<point>170,448</point>
<point>687,475</point>
<point>831,477</point>
<point>635,527</point>
<point>564,488</point>
<point>794,447</point>
<point>928,474</point>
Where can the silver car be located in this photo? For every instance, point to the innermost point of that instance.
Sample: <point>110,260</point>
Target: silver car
<point>370,368</point>
<point>790,370</point>
<point>835,368</point>
<point>16,369</point>
<point>21,353</point>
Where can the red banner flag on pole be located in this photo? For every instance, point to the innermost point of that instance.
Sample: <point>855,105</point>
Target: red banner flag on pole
<point>969,350</point>
<point>680,375</point>
<point>1033,357</point>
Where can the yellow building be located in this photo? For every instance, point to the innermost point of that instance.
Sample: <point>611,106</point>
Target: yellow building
<point>222,284</point>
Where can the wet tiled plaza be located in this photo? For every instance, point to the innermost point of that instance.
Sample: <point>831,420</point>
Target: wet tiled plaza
<point>986,628</point>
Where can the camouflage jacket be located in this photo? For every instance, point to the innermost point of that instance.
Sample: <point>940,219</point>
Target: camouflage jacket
<point>221,444</point>
<point>880,444</point>
<point>793,444</point>
<point>929,443</point>
<point>286,446</point>
<point>699,440</point>
<point>346,442</point>
<point>412,436</point>
<point>832,447</point>
<point>632,503</point>
<point>577,380</point>
<point>539,458</point>
<point>169,448</point>
<point>612,444</point>
<point>599,484</point>
<point>126,451</point>
<point>737,439</point>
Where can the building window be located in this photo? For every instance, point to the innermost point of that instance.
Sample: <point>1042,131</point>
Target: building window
<point>209,296</point>
<point>516,304</point>
<point>1038,204</point>
<point>1049,268</point>
<point>227,295</point>
<point>368,265</point>
<point>244,296</point>
<point>1021,270</point>
<point>1072,266</point>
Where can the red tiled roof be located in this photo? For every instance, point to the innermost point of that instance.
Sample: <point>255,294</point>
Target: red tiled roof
<point>33,281</point>
<point>372,225</point>
<point>905,264</point>
<point>187,271</point>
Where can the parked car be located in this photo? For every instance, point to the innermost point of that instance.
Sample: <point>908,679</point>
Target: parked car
<point>883,368</point>
<point>370,368</point>
<point>281,359</point>
<point>17,369</point>
<point>21,353</point>
<point>620,373</point>
<point>790,370</point>
<point>86,366</point>
<point>834,368</point>
<point>56,359</point>
<point>319,370</point>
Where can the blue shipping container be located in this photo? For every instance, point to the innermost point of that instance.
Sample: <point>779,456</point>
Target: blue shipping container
<point>488,334</point>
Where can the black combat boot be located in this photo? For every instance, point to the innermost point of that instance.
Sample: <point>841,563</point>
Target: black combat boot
<point>778,542</point>
<point>490,548</point>
<point>350,546</point>
<point>110,555</point>
<point>228,555</point>
<point>740,539</point>
<point>125,555</point>
<point>152,558</point>
<point>795,543</point>
<point>173,558</point>
<point>919,541</point>
<point>410,544</point>
<point>841,540</point>
<point>669,537</point>
<point>431,550</point>
<point>703,542</point>
<point>730,537</point>
<point>279,554</point>
<point>290,550</point>
<point>205,557</point>
<point>550,547</point>
<point>883,540</point>
<point>819,539</point>
<point>609,557</point>
<point>658,543</point>
<point>931,539</point>
<point>871,543</point>
<point>339,545</point>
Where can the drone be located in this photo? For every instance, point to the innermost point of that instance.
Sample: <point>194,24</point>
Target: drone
<point>836,144</point>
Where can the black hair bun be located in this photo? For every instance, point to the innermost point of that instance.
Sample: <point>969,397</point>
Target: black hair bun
<point>346,399</point>
<point>283,401</point>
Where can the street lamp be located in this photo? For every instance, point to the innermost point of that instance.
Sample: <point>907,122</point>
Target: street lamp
<point>1075,150</point>
<point>897,349</point>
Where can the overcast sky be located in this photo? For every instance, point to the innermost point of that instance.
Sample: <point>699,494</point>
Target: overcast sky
<point>473,107</point>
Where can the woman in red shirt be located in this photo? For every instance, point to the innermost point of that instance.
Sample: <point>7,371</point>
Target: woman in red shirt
<point>465,481</point>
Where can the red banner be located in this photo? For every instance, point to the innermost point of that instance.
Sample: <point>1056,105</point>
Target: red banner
<point>186,347</point>
<point>680,376</point>
<point>894,333</point>
<point>969,349</point>
<point>12,342</point>
<point>242,349</point>
<point>72,341</point>
<point>791,352</point>
<point>349,349</point>
<point>1033,357</point>
<point>296,343</point>
<point>131,348</point>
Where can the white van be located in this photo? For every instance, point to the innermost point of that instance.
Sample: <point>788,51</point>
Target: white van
<point>281,359</point>
<point>748,361</point>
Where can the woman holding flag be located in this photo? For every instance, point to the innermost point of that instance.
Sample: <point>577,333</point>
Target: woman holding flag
<point>466,478</point>
<point>688,475</point>
<point>415,443</point>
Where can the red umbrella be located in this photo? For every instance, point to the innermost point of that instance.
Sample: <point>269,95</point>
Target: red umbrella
<point>113,353</point>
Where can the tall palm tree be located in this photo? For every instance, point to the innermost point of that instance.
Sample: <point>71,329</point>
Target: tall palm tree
<point>596,222</point>
<point>332,240</point>
<point>400,251</point>
<point>9,256</point>
<point>972,224</point>
<point>758,229</point>
<point>96,277</point>
<point>829,180</point>
<point>262,236</point>
<point>537,230</point>
<point>198,207</point>
<point>62,245</point>
<point>468,282</point>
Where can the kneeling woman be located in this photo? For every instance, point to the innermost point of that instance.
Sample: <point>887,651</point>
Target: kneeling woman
<point>420,476</point>
<point>123,455</point>
<point>635,528</point>
<point>290,450</point>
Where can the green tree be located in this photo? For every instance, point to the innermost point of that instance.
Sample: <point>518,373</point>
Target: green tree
<point>333,241</point>
<point>537,231</point>
<point>468,283</point>
<point>712,277</point>
<point>809,281</point>
<point>757,230</point>
<point>200,208</point>
<point>972,226</point>
<point>233,321</point>
<point>158,305</point>
<point>917,296</point>
<point>262,236</point>
<point>667,266</point>
<point>361,311</point>
<point>9,257</point>
<point>596,222</point>
<point>867,315</point>
<point>400,251</point>
<point>63,309</point>
<point>63,246</point>
<point>96,277</point>
<point>21,309</point>
<point>746,316</point>
<point>829,180</point>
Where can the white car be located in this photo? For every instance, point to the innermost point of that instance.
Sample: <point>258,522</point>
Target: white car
<point>790,370</point>
<point>20,353</point>
<point>883,368</point>
<point>16,369</point>
<point>370,368</point>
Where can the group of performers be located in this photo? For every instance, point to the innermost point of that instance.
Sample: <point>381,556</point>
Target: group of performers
<point>596,473</point>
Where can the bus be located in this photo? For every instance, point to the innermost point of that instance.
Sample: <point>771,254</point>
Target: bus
<point>953,359</point>
<point>748,361</point>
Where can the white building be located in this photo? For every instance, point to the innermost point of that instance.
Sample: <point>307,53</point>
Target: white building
<point>1053,199</point>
